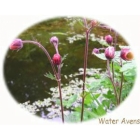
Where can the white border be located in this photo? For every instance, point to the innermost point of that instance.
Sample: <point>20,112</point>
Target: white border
<point>11,26</point>
<point>16,24</point>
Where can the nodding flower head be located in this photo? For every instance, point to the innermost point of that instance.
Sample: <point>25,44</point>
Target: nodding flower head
<point>54,40</point>
<point>110,52</point>
<point>108,39</point>
<point>126,54</point>
<point>16,44</point>
<point>94,23</point>
<point>57,59</point>
<point>95,50</point>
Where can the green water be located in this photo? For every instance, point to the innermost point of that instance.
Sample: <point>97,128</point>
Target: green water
<point>24,70</point>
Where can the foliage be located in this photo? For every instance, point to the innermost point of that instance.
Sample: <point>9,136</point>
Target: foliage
<point>99,95</point>
<point>99,100</point>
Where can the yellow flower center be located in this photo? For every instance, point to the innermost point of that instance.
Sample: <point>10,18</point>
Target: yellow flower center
<point>129,56</point>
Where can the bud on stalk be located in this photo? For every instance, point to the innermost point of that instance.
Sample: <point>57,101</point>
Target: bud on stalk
<point>16,44</point>
<point>56,59</point>
<point>110,52</point>
<point>126,54</point>
<point>108,39</point>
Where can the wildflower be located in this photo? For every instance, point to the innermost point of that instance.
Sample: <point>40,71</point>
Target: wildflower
<point>110,52</point>
<point>95,50</point>
<point>126,54</point>
<point>56,59</point>
<point>16,44</point>
<point>108,39</point>
<point>94,23</point>
<point>54,40</point>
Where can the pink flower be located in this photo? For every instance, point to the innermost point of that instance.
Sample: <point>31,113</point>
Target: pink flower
<point>110,52</point>
<point>108,39</point>
<point>126,54</point>
<point>95,50</point>
<point>16,44</point>
<point>57,59</point>
<point>54,40</point>
<point>94,23</point>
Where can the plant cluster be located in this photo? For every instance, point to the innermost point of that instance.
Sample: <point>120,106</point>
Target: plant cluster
<point>99,92</point>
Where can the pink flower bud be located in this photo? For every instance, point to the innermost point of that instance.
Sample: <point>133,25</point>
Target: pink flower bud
<point>16,44</point>
<point>95,50</point>
<point>110,52</point>
<point>108,39</point>
<point>94,23</point>
<point>126,54</point>
<point>54,40</point>
<point>56,59</point>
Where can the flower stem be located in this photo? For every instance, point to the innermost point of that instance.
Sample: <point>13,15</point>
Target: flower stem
<point>113,70</point>
<point>61,102</point>
<point>57,75</point>
<point>85,66</point>
<point>122,78</point>
<point>60,93</point>
<point>115,43</point>
<point>47,54</point>
<point>112,81</point>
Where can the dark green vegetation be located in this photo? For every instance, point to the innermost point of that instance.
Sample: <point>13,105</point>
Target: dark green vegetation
<point>24,71</point>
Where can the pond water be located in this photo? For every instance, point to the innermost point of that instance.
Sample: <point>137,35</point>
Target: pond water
<point>24,70</point>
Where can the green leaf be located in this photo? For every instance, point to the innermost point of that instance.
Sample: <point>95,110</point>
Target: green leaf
<point>64,102</point>
<point>100,111</point>
<point>106,103</point>
<point>64,57</point>
<point>102,42</point>
<point>106,83</point>
<point>127,66</point>
<point>49,75</point>
<point>78,109</point>
<point>58,33</point>
<point>89,114</point>
<point>95,85</point>
<point>71,100</point>
<point>88,99</point>
<point>73,117</point>
<point>96,95</point>
<point>109,95</point>
<point>97,76</point>
<point>124,47</point>
<point>80,22</point>
<point>100,56</point>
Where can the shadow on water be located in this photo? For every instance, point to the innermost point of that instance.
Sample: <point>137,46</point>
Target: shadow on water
<point>24,70</point>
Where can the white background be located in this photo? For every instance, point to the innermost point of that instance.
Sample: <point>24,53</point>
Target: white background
<point>16,16</point>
